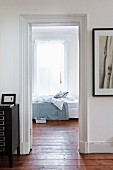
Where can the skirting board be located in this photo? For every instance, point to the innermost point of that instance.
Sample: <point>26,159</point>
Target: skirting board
<point>24,148</point>
<point>83,147</point>
<point>95,147</point>
<point>100,147</point>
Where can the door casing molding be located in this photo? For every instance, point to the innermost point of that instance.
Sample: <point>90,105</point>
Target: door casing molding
<point>26,21</point>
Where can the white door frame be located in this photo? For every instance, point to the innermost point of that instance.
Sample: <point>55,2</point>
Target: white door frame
<point>26,74</point>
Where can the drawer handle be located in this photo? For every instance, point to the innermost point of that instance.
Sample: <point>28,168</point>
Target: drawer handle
<point>1,117</point>
<point>1,123</point>
<point>2,128</point>
<point>2,143</point>
<point>1,113</point>
<point>2,138</point>
<point>1,133</point>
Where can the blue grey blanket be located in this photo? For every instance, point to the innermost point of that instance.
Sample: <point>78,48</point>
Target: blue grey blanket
<point>49,111</point>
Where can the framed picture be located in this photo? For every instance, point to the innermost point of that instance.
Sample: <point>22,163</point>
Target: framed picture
<point>102,61</point>
<point>8,98</point>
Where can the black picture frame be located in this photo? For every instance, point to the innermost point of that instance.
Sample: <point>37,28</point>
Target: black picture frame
<point>102,47</point>
<point>8,99</point>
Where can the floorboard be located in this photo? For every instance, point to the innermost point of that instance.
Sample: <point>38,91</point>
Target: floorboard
<point>55,147</point>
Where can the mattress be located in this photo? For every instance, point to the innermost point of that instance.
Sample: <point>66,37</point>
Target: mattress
<point>73,108</point>
<point>73,112</point>
<point>73,104</point>
<point>56,109</point>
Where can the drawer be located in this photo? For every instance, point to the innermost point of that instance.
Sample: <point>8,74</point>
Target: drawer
<point>1,113</point>
<point>1,117</point>
<point>2,149</point>
<point>2,134</point>
<point>2,139</point>
<point>5,115</point>
<point>2,123</point>
<point>2,143</point>
<point>2,128</point>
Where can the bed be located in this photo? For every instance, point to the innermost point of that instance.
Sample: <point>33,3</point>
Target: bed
<point>53,108</point>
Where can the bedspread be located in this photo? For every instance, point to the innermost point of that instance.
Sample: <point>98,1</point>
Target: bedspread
<point>49,111</point>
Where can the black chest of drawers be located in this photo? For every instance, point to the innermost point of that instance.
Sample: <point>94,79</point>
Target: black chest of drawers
<point>9,131</point>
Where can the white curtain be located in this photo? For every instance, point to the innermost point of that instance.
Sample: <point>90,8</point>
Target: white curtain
<point>49,68</point>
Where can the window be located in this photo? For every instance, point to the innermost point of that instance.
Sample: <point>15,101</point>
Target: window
<point>49,67</point>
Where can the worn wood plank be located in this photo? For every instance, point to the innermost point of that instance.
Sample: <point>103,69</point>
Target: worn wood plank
<point>55,147</point>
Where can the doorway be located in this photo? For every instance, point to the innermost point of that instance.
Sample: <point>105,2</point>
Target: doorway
<point>26,74</point>
<point>55,60</point>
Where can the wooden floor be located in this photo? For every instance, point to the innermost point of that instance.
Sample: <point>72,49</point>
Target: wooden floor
<point>55,147</point>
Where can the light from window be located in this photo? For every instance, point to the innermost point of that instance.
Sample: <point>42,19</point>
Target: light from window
<point>50,67</point>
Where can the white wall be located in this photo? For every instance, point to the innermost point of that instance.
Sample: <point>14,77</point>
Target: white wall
<point>100,109</point>
<point>70,35</point>
<point>73,64</point>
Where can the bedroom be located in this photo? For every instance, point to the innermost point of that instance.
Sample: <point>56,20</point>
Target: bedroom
<point>55,71</point>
